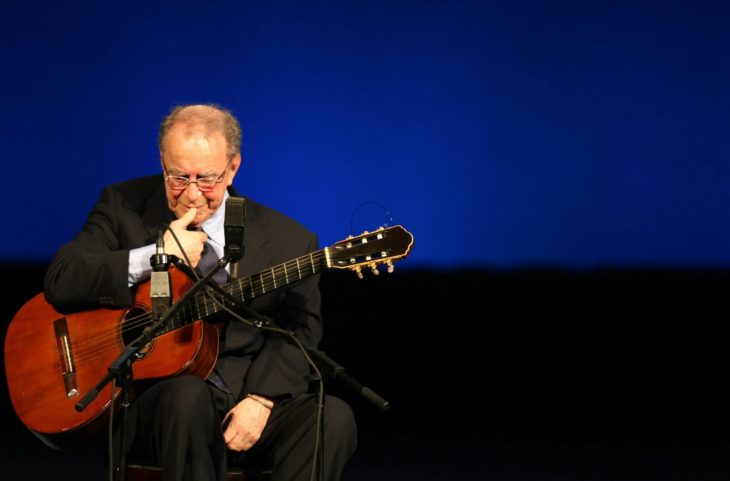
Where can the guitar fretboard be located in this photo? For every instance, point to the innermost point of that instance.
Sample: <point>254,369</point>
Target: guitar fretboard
<point>247,288</point>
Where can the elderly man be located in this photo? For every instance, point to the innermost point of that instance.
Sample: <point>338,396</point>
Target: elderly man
<point>256,399</point>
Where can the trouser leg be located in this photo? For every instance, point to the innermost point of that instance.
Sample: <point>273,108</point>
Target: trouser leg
<point>290,436</point>
<point>178,427</point>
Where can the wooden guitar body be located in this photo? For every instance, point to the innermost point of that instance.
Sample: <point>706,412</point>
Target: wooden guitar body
<point>52,360</point>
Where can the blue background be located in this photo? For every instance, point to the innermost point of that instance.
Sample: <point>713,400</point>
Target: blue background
<point>577,134</point>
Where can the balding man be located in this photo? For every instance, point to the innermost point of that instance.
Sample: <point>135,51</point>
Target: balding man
<point>256,400</point>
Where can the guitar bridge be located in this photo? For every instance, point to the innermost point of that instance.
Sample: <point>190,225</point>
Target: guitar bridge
<point>68,371</point>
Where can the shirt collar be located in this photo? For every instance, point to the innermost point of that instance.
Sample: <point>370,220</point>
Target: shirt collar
<point>214,226</point>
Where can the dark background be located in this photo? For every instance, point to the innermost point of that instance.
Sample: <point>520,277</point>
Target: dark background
<point>519,374</point>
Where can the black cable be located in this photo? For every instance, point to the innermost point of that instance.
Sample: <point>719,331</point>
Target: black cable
<point>111,433</point>
<point>266,324</point>
<point>388,219</point>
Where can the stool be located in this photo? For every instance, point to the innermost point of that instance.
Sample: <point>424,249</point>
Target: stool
<point>145,472</point>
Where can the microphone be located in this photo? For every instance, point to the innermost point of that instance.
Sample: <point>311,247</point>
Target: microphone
<point>337,372</point>
<point>233,228</point>
<point>160,283</point>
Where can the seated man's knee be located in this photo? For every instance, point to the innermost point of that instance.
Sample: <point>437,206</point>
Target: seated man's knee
<point>186,396</point>
<point>339,422</point>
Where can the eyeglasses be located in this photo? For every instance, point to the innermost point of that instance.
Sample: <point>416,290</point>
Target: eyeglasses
<point>204,184</point>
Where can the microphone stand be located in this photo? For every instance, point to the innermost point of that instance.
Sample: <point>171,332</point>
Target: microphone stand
<point>321,363</point>
<point>337,373</point>
<point>328,366</point>
<point>121,368</point>
<point>318,359</point>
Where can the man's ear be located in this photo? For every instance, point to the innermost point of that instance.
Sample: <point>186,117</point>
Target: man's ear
<point>235,164</point>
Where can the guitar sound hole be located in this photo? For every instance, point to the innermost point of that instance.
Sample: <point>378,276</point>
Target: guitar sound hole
<point>134,321</point>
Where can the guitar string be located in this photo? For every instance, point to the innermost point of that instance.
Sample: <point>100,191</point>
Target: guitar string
<point>109,341</point>
<point>269,280</point>
<point>97,346</point>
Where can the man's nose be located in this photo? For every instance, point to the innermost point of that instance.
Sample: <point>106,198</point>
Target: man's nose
<point>192,191</point>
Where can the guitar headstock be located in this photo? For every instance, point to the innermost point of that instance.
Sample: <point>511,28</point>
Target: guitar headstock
<point>371,249</point>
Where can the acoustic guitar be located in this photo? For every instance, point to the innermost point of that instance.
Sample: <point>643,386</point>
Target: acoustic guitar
<point>54,359</point>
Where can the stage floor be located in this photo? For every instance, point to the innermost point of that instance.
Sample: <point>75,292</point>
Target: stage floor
<point>24,458</point>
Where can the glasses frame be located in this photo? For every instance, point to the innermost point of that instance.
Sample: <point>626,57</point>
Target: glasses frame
<point>187,181</point>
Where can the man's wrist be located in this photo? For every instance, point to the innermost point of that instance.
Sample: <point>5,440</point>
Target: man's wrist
<point>267,403</point>
<point>139,264</point>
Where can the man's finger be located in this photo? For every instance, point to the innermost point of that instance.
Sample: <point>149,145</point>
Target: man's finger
<point>187,218</point>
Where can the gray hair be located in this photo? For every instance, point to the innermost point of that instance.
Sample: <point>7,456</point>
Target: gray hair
<point>213,118</point>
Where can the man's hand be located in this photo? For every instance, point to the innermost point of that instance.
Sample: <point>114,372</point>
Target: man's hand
<point>246,421</point>
<point>192,241</point>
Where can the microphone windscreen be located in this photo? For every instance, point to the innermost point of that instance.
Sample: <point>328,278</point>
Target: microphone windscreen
<point>233,227</point>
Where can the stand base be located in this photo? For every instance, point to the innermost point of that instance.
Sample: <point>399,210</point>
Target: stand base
<point>145,472</point>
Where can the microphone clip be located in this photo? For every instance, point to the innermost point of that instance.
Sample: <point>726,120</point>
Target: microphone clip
<point>160,282</point>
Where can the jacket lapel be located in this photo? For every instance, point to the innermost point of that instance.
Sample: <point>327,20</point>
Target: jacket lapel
<point>256,257</point>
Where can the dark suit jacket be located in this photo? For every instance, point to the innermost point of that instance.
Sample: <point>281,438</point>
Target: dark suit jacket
<point>91,271</point>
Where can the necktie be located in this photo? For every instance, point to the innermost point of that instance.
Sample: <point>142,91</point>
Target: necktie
<point>208,261</point>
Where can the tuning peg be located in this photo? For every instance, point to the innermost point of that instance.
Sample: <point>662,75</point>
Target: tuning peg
<point>358,271</point>
<point>391,268</point>
<point>374,268</point>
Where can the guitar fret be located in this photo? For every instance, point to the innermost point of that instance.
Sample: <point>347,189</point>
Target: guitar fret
<point>264,282</point>
<point>238,288</point>
<point>200,306</point>
<point>250,286</point>
<point>256,284</point>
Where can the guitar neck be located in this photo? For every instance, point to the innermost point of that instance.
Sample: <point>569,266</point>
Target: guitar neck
<point>201,306</point>
<point>369,249</point>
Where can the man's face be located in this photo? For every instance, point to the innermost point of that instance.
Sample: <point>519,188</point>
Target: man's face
<point>193,154</point>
